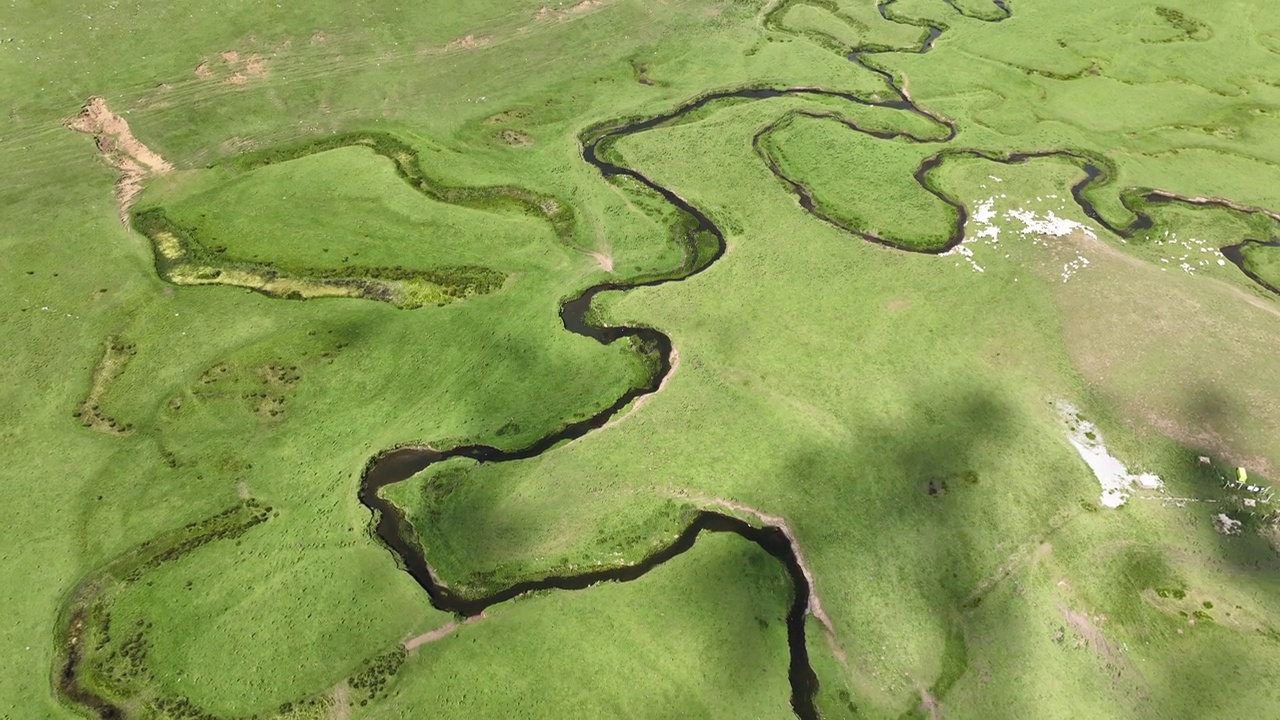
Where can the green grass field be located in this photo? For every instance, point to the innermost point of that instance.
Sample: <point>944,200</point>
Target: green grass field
<point>368,219</point>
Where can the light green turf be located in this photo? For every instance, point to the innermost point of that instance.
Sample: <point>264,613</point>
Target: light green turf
<point>862,182</point>
<point>946,376</point>
<point>348,207</point>
<point>820,378</point>
<point>701,637</point>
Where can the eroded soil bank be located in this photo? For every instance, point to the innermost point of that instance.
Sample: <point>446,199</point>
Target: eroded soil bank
<point>391,527</point>
<point>120,149</point>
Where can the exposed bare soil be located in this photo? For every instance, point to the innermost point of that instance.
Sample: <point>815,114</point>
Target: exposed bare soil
<point>120,149</point>
<point>640,401</point>
<point>582,7</point>
<point>506,116</point>
<point>515,138</point>
<point>563,14</point>
<point>235,69</point>
<point>256,66</point>
<point>606,264</point>
<point>269,403</point>
<point>429,637</point>
<point>1089,633</point>
<point>443,631</point>
<point>468,42</point>
<point>929,705</point>
<point>339,702</point>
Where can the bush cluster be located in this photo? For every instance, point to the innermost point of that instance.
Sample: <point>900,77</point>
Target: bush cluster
<point>373,677</point>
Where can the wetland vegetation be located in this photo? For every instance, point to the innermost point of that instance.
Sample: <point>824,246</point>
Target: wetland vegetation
<point>444,502</point>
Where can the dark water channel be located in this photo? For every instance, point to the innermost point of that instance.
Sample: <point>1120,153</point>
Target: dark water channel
<point>705,244</point>
<point>1235,253</point>
<point>400,464</point>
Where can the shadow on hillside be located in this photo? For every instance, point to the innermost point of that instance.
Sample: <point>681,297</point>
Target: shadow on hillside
<point>942,554</point>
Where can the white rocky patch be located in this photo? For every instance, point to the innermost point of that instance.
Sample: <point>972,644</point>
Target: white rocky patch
<point>1226,525</point>
<point>984,212</point>
<point>986,223</point>
<point>1116,480</point>
<point>1038,220</point>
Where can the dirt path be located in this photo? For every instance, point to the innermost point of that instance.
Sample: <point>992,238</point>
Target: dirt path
<point>1137,262</point>
<point>339,702</point>
<point>1026,554</point>
<point>120,149</point>
<point>1256,302</point>
<point>1120,669</point>
<point>443,631</point>
<point>605,262</point>
<point>1202,200</point>
<point>929,705</point>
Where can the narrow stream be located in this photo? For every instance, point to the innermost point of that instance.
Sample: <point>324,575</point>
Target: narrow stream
<point>401,464</point>
<point>397,465</point>
<point>1235,253</point>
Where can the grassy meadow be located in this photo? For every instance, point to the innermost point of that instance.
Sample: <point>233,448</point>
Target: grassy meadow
<point>674,643</point>
<point>270,215</point>
<point>859,177</point>
<point>898,409</point>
